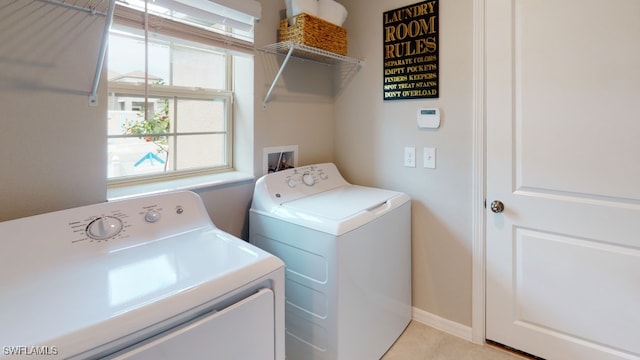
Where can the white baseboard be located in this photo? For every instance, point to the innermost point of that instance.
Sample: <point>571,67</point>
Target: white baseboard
<point>442,324</point>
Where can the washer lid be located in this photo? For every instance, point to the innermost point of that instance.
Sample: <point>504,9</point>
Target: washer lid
<point>341,210</point>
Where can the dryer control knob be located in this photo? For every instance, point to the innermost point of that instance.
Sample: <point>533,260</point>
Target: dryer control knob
<point>152,216</point>
<point>308,179</point>
<point>291,183</point>
<point>104,227</point>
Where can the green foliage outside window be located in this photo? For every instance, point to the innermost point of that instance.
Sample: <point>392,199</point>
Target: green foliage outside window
<point>157,123</point>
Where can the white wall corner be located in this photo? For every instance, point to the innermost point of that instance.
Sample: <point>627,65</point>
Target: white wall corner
<point>442,324</point>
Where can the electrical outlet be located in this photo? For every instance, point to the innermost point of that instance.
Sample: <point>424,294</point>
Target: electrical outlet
<point>410,156</point>
<point>429,158</point>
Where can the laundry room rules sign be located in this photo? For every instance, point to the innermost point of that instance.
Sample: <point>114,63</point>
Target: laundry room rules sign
<point>411,52</point>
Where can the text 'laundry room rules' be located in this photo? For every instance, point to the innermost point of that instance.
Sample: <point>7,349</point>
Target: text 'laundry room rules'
<point>411,51</point>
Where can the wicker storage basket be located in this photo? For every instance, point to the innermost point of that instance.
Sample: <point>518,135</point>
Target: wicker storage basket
<point>315,32</point>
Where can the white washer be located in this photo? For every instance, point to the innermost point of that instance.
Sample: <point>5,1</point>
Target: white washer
<point>144,278</point>
<point>347,251</point>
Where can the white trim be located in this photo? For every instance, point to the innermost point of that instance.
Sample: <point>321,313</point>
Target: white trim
<point>192,183</point>
<point>478,321</point>
<point>442,324</point>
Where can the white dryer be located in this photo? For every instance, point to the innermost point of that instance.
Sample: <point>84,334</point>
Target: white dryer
<point>347,252</point>
<point>137,279</point>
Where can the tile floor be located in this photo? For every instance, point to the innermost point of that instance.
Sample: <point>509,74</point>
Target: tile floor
<point>421,342</point>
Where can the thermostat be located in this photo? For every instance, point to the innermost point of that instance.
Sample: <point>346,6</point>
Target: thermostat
<point>428,118</point>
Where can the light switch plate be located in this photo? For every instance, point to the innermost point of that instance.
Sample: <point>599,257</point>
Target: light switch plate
<point>410,156</point>
<point>429,158</point>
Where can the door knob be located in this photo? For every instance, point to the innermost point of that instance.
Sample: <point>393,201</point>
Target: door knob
<point>497,206</point>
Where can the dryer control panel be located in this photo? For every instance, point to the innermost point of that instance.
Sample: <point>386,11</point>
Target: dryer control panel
<point>292,184</point>
<point>127,222</point>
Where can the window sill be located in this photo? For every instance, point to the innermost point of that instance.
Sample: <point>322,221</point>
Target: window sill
<point>189,183</point>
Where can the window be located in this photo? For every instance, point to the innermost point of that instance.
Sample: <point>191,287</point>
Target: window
<point>170,96</point>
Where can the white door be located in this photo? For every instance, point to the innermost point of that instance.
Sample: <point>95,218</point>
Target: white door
<point>563,156</point>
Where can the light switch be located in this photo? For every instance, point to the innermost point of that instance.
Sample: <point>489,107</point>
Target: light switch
<point>429,158</point>
<point>410,156</point>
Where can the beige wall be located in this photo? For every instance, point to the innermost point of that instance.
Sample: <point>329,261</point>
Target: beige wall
<point>371,135</point>
<point>52,143</point>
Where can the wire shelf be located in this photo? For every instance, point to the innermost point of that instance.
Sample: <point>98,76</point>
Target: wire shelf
<point>104,8</point>
<point>305,52</point>
<point>309,53</point>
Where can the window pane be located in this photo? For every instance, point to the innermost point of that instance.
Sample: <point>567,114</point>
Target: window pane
<point>136,156</point>
<point>200,115</point>
<point>179,126</point>
<point>195,151</point>
<point>198,68</point>
<point>126,115</point>
<point>127,55</point>
<point>159,63</point>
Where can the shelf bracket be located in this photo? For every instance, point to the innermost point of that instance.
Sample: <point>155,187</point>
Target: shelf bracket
<point>93,95</point>
<point>273,84</point>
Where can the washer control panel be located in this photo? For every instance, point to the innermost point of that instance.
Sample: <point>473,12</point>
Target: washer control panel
<point>308,176</point>
<point>292,184</point>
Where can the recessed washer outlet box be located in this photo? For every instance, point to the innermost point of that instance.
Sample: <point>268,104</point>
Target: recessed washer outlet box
<point>278,158</point>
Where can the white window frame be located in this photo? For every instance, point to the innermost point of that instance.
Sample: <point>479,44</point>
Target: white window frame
<point>132,18</point>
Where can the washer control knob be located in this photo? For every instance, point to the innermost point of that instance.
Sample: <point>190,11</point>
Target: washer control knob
<point>104,227</point>
<point>291,183</point>
<point>323,176</point>
<point>152,216</point>
<point>308,179</point>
